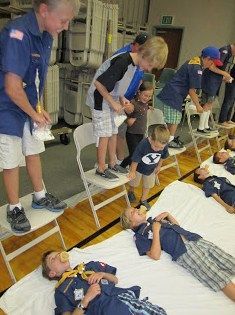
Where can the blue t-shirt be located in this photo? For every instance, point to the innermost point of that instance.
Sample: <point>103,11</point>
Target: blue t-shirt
<point>187,77</point>
<point>229,165</point>
<point>138,76</point>
<point>23,50</point>
<point>70,293</point>
<point>147,158</point>
<point>211,81</point>
<point>170,239</point>
<point>220,186</point>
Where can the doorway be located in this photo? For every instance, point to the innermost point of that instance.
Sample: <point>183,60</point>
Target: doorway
<point>173,38</point>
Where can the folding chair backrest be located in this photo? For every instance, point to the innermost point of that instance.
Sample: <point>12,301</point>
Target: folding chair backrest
<point>83,136</point>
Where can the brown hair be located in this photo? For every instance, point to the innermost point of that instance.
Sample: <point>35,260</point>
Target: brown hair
<point>196,177</point>
<point>160,133</point>
<point>155,51</point>
<point>216,158</point>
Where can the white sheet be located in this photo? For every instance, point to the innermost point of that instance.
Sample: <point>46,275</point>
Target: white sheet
<point>165,283</point>
<point>218,169</point>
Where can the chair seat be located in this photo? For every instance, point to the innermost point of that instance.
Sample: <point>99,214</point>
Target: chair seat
<point>96,180</point>
<point>225,127</point>
<point>37,218</point>
<point>211,135</point>
<point>173,151</point>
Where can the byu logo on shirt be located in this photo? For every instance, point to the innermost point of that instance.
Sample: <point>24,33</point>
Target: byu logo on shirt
<point>216,185</point>
<point>78,294</point>
<point>151,158</point>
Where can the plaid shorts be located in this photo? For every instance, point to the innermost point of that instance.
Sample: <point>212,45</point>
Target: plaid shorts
<point>103,124</point>
<point>212,266</point>
<point>137,306</point>
<point>171,115</point>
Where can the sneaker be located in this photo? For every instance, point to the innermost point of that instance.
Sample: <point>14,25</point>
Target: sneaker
<point>118,169</point>
<point>18,220</point>
<point>146,204</point>
<point>211,129</point>
<point>131,196</point>
<point>177,140</point>
<point>49,202</point>
<point>175,145</point>
<point>204,131</point>
<point>107,175</point>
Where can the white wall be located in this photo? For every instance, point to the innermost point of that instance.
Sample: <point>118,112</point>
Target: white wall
<point>205,22</point>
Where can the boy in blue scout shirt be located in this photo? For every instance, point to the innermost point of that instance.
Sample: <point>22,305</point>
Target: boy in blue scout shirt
<point>25,48</point>
<point>146,162</point>
<point>225,158</point>
<point>219,188</point>
<point>90,289</point>
<point>187,80</point>
<point>212,266</point>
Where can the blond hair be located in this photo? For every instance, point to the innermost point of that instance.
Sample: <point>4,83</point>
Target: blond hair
<point>125,220</point>
<point>160,133</point>
<point>155,51</point>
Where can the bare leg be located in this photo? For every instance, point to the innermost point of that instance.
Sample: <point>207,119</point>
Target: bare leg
<point>101,153</point>
<point>33,165</point>
<point>172,128</point>
<point>229,290</point>
<point>145,193</point>
<point>121,142</point>
<point>112,145</point>
<point>11,182</point>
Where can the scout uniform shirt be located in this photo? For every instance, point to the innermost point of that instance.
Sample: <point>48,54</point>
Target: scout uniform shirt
<point>229,165</point>
<point>170,239</point>
<point>23,51</point>
<point>187,77</point>
<point>220,186</point>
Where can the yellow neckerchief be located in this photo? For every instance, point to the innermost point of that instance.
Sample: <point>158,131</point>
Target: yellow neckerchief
<point>195,61</point>
<point>80,269</point>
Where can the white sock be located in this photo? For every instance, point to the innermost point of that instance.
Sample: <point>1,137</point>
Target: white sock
<point>207,119</point>
<point>39,194</point>
<point>171,138</point>
<point>18,205</point>
<point>203,117</point>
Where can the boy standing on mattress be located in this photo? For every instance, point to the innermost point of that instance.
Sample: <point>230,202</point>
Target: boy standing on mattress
<point>91,289</point>
<point>212,266</point>
<point>217,187</point>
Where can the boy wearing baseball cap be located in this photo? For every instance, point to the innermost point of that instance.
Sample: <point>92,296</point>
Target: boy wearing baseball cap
<point>187,80</point>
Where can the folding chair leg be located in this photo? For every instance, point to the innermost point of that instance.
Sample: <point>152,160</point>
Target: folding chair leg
<point>177,166</point>
<point>7,263</point>
<point>60,234</point>
<point>91,204</point>
<point>157,181</point>
<point>196,150</point>
<point>208,142</point>
<point>126,197</point>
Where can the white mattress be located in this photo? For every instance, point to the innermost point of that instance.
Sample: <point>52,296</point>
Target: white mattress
<point>165,283</point>
<point>218,169</point>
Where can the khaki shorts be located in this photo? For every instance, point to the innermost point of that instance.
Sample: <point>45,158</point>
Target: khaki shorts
<point>148,180</point>
<point>13,148</point>
<point>103,124</point>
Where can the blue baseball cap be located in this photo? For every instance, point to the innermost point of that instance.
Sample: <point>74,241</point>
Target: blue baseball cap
<point>214,54</point>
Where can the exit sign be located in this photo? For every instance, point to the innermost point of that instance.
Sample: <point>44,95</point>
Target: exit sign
<point>167,20</point>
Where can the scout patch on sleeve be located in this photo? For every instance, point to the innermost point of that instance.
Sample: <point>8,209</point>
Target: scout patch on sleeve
<point>194,61</point>
<point>16,34</point>
<point>199,72</point>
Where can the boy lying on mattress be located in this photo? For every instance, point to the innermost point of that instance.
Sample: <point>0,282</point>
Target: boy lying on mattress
<point>208,263</point>
<point>223,157</point>
<point>90,289</point>
<point>217,187</point>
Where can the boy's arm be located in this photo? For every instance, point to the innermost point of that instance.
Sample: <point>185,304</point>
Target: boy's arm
<point>229,209</point>
<point>195,99</point>
<point>225,74</point>
<point>155,249</point>
<point>133,168</point>
<point>117,107</point>
<point>159,165</point>
<point>97,276</point>
<point>168,216</point>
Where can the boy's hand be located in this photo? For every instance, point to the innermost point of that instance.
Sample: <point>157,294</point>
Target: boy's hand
<point>117,107</point>
<point>162,216</point>
<point>131,175</point>
<point>157,170</point>
<point>95,277</point>
<point>92,292</point>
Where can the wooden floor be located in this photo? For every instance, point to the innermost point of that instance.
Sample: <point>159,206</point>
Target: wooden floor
<point>77,223</point>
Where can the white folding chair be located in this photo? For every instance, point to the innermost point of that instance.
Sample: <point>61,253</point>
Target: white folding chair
<point>83,136</point>
<point>190,110</point>
<point>37,219</point>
